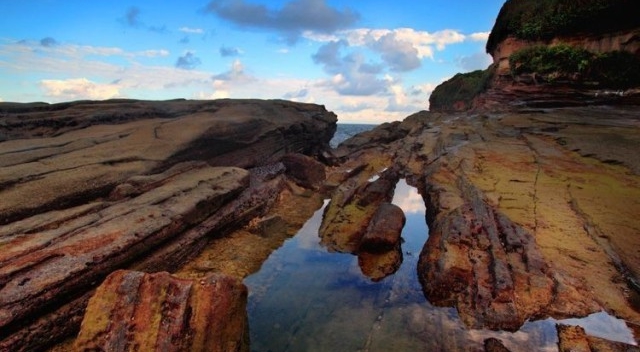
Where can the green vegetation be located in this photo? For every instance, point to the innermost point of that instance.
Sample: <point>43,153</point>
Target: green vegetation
<point>616,69</point>
<point>462,87</point>
<point>545,19</point>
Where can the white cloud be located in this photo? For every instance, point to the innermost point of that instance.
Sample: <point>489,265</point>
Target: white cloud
<point>479,36</point>
<point>79,88</point>
<point>191,30</point>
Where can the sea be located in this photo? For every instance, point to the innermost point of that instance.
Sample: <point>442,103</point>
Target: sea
<point>345,131</point>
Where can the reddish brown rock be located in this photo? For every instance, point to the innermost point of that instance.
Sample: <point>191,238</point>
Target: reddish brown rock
<point>305,171</point>
<point>385,229</point>
<point>134,311</point>
<point>494,345</point>
<point>574,339</point>
<point>351,209</point>
<point>128,184</point>
<point>377,266</point>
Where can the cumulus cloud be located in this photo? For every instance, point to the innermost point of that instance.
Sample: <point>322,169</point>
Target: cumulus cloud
<point>226,51</point>
<point>236,73</point>
<point>294,18</point>
<point>48,42</point>
<point>477,61</point>
<point>78,88</point>
<point>351,74</point>
<point>400,55</point>
<point>188,61</point>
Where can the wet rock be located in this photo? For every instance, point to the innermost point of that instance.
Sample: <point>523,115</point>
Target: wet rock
<point>305,171</point>
<point>351,209</point>
<point>379,265</point>
<point>574,339</point>
<point>136,311</point>
<point>384,229</point>
<point>530,216</point>
<point>494,345</point>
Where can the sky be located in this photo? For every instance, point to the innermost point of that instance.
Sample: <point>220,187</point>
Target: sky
<point>369,61</point>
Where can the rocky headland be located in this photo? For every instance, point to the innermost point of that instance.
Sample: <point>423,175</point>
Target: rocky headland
<point>130,224</point>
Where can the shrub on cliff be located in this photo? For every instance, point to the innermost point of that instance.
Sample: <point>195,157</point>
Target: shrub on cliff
<point>616,69</point>
<point>460,89</point>
<point>546,19</point>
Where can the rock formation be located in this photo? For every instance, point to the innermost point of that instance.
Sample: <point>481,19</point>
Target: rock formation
<point>553,54</point>
<point>574,339</point>
<point>530,217</point>
<point>91,187</point>
<point>134,311</point>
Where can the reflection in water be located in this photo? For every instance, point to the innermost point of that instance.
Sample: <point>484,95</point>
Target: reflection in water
<point>306,299</point>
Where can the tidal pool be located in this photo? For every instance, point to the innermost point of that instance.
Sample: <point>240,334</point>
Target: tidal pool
<point>305,298</point>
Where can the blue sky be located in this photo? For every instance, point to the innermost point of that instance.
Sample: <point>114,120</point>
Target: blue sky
<point>369,61</point>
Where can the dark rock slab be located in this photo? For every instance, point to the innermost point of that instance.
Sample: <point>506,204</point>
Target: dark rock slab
<point>305,171</point>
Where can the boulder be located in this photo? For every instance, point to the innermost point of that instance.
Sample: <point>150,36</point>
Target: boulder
<point>384,230</point>
<point>305,171</point>
<point>352,206</point>
<point>158,312</point>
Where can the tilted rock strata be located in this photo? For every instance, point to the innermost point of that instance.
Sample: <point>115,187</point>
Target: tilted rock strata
<point>46,264</point>
<point>71,164</point>
<point>111,185</point>
<point>531,214</point>
<point>134,311</point>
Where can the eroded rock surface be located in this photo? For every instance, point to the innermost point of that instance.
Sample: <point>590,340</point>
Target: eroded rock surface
<point>91,187</point>
<point>531,213</point>
<point>574,339</point>
<point>134,311</point>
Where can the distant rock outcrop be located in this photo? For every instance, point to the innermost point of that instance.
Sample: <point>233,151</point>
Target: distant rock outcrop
<point>88,188</point>
<point>552,54</point>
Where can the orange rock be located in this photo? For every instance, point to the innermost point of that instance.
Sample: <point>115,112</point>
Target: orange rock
<point>158,312</point>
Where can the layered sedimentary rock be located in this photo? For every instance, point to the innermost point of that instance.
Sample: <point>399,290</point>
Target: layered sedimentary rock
<point>134,311</point>
<point>574,339</point>
<point>91,187</point>
<point>531,213</point>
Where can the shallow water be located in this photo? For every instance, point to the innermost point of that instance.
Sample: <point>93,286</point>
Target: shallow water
<point>307,299</point>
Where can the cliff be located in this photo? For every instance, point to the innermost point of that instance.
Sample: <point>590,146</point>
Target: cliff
<point>88,188</point>
<point>553,53</point>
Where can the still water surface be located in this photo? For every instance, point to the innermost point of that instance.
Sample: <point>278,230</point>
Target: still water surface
<point>307,299</point>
